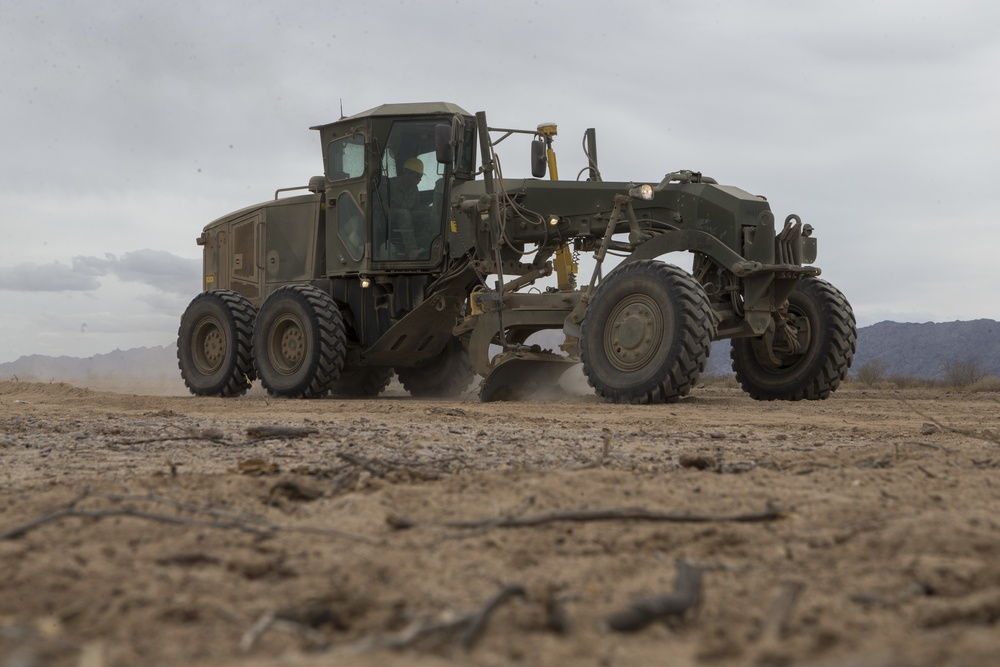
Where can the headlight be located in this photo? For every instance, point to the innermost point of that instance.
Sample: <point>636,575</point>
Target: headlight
<point>644,191</point>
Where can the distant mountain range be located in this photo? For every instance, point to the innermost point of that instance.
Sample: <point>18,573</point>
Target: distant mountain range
<point>915,350</point>
<point>141,370</point>
<point>925,350</point>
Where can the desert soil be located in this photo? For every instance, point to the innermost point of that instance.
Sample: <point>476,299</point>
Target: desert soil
<point>172,530</point>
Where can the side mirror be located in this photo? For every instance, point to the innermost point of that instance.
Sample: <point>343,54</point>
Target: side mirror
<point>443,146</point>
<point>538,158</point>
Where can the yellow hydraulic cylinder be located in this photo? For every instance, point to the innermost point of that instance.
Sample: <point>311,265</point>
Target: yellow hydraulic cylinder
<point>565,269</point>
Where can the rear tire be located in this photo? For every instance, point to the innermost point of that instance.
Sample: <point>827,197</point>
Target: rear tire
<point>214,344</point>
<point>823,312</point>
<point>445,376</point>
<point>361,382</point>
<point>298,342</point>
<point>647,334</point>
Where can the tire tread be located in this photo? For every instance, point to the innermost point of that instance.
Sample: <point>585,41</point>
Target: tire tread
<point>837,357</point>
<point>695,345</point>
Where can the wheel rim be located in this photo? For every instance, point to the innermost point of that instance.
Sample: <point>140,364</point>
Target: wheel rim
<point>209,348</point>
<point>287,345</point>
<point>786,354</point>
<point>634,333</point>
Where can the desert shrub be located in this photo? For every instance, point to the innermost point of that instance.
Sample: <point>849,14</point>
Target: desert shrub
<point>727,381</point>
<point>909,382</point>
<point>871,372</point>
<point>963,373</point>
<point>990,383</point>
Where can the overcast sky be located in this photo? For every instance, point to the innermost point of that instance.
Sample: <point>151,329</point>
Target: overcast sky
<point>128,126</point>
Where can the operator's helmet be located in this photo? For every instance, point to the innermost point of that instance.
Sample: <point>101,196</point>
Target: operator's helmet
<point>415,165</point>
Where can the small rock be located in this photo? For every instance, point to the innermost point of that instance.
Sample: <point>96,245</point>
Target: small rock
<point>255,467</point>
<point>697,461</point>
<point>738,467</point>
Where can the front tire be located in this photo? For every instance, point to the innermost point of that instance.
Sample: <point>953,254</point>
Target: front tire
<point>214,344</point>
<point>647,334</point>
<point>826,334</point>
<point>298,342</point>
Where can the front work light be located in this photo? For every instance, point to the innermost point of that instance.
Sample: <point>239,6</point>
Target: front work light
<point>644,191</point>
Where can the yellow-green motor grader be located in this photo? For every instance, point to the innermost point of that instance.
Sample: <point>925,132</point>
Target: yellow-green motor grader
<point>414,255</point>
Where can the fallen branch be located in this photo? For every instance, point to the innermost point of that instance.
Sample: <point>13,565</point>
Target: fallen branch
<point>263,530</point>
<point>927,472</point>
<point>255,434</point>
<point>186,507</point>
<point>613,514</point>
<point>270,620</point>
<point>777,617</point>
<point>362,463</point>
<point>432,633</point>
<point>477,621</point>
<point>263,431</point>
<point>20,531</point>
<point>259,627</point>
<point>686,595</point>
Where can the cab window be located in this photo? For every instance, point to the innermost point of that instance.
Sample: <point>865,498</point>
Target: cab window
<point>346,158</point>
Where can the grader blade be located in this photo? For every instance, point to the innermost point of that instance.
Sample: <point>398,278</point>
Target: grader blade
<point>519,376</point>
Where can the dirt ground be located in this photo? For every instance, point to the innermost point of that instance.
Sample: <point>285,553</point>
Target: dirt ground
<point>859,531</point>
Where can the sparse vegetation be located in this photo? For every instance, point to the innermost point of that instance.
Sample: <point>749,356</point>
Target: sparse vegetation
<point>716,380</point>
<point>967,375</point>
<point>963,373</point>
<point>871,373</point>
<point>910,382</point>
<point>986,384</point>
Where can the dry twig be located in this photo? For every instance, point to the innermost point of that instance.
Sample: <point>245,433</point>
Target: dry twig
<point>431,633</point>
<point>269,620</point>
<point>363,463</point>
<point>613,514</point>
<point>780,612</point>
<point>263,431</point>
<point>248,524</point>
<point>686,595</point>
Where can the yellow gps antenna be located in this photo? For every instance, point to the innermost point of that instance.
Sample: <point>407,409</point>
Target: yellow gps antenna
<point>565,267</point>
<point>548,131</point>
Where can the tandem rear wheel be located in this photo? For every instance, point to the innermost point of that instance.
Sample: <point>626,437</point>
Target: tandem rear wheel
<point>299,342</point>
<point>214,344</point>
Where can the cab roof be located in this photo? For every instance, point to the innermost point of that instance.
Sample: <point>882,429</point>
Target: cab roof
<point>405,109</point>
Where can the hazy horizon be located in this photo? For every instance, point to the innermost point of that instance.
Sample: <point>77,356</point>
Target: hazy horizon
<point>130,126</point>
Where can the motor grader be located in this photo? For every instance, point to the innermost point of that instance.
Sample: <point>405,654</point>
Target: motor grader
<point>412,254</point>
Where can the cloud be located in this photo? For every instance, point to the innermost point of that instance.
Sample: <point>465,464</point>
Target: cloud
<point>873,121</point>
<point>81,276</point>
<point>159,269</point>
